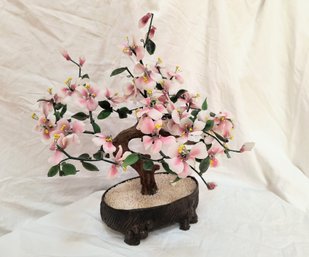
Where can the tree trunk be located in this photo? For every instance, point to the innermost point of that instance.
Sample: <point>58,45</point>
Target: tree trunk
<point>149,186</point>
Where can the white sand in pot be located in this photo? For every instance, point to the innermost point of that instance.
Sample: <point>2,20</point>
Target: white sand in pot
<point>128,195</point>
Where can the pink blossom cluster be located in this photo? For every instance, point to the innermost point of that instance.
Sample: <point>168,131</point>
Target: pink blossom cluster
<point>176,124</point>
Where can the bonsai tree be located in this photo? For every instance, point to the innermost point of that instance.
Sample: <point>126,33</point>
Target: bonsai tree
<point>174,127</point>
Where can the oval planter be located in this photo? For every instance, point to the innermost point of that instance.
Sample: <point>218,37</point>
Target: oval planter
<point>136,223</point>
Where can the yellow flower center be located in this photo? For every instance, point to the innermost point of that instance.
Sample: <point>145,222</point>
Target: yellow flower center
<point>44,120</point>
<point>68,81</point>
<point>34,116</point>
<point>56,136</point>
<point>50,90</point>
<point>191,129</point>
<point>211,163</point>
<point>177,68</point>
<point>145,78</point>
<point>181,149</point>
<point>158,126</point>
<point>197,95</point>
<point>222,119</point>
<point>126,50</point>
<point>46,131</point>
<point>87,86</point>
<point>108,139</point>
<point>149,92</point>
<point>63,127</point>
<point>159,61</point>
<point>94,95</point>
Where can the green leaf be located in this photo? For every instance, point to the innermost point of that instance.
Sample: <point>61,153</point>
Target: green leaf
<point>123,112</point>
<point>221,138</point>
<point>209,125</point>
<point>85,76</point>
<point>58,106</point>
<point>167,168</point>
<point>84,156</point>
<point>159,86</point>
<point>96,127</point>
<point>204,165</point>
<point>150,46</point>
<point>63,111</point>
<point>148,165</point>
<point>90,166</point>
<point>57,115</point>
<point>105,105</point>
<point>180,92</point>
<point>205,105</point>
<point>80,116</point>
<point>53,171</point>
<point>68,169</point>
<point>104,114</point>
<point>118,71</point>
<point>131,159</point>
<point>98,155</point>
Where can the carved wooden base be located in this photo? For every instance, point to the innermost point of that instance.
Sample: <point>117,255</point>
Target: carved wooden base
<point>136,223</point>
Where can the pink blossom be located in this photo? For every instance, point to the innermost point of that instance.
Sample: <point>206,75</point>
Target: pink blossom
<point>152,31</point>
<point>155,142</point>
<point>211,185</point>
<point>118,159</point>
<point>223,125</point>
<point>175,75</point>
<point>215,149</point>
<point>66,55</point>
<point>182,157</point>
<point>82,60</point>
<point>190,130</point>
<point>189,100</point>
<point>46,126</point>
<point>247,147</point>
<point>152,108</point>
<point>88,97</point>
<point>105,141</point>
<point>146,79</point>
<point>134,49</point>
<point>144,20</point>
<point>114,98</point>
<point>62,141</point>
<point>130,90</point>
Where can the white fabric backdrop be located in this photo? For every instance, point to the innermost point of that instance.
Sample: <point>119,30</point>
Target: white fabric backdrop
<point>247,56</point>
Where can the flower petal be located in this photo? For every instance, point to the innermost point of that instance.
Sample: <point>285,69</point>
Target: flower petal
<point>198,151</point>
<point>147,125</point>
<point>176,165</point>
<point>147,141</point>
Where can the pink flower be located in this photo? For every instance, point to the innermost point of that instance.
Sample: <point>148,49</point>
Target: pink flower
<point>47,107</point>
<point>82,60</point>
<point>144,20</point>
<point>223,125</point>
<point>88,97</point>
<point>147,78</point>
<point>114,98</point>
<point>46,126</point>
<point>215,149</point>
<point>247,147</point>
<point>155,142</point>
<point>105,141</point>
<point>65,127</point>
<point>190,130</point>
<point>189,100</point>
<point>118,159</point>
<point>182,157</point>
<point>134,49</point>
<point>62,141</point>
<point>211,185</point>
<point>152,31</point>
<point>175,75</point>
<point>152,109</point>
<point>66,55</point>
<point>130,91</point>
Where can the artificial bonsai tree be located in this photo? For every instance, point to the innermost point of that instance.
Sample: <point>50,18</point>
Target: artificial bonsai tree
<point>174,126</point>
